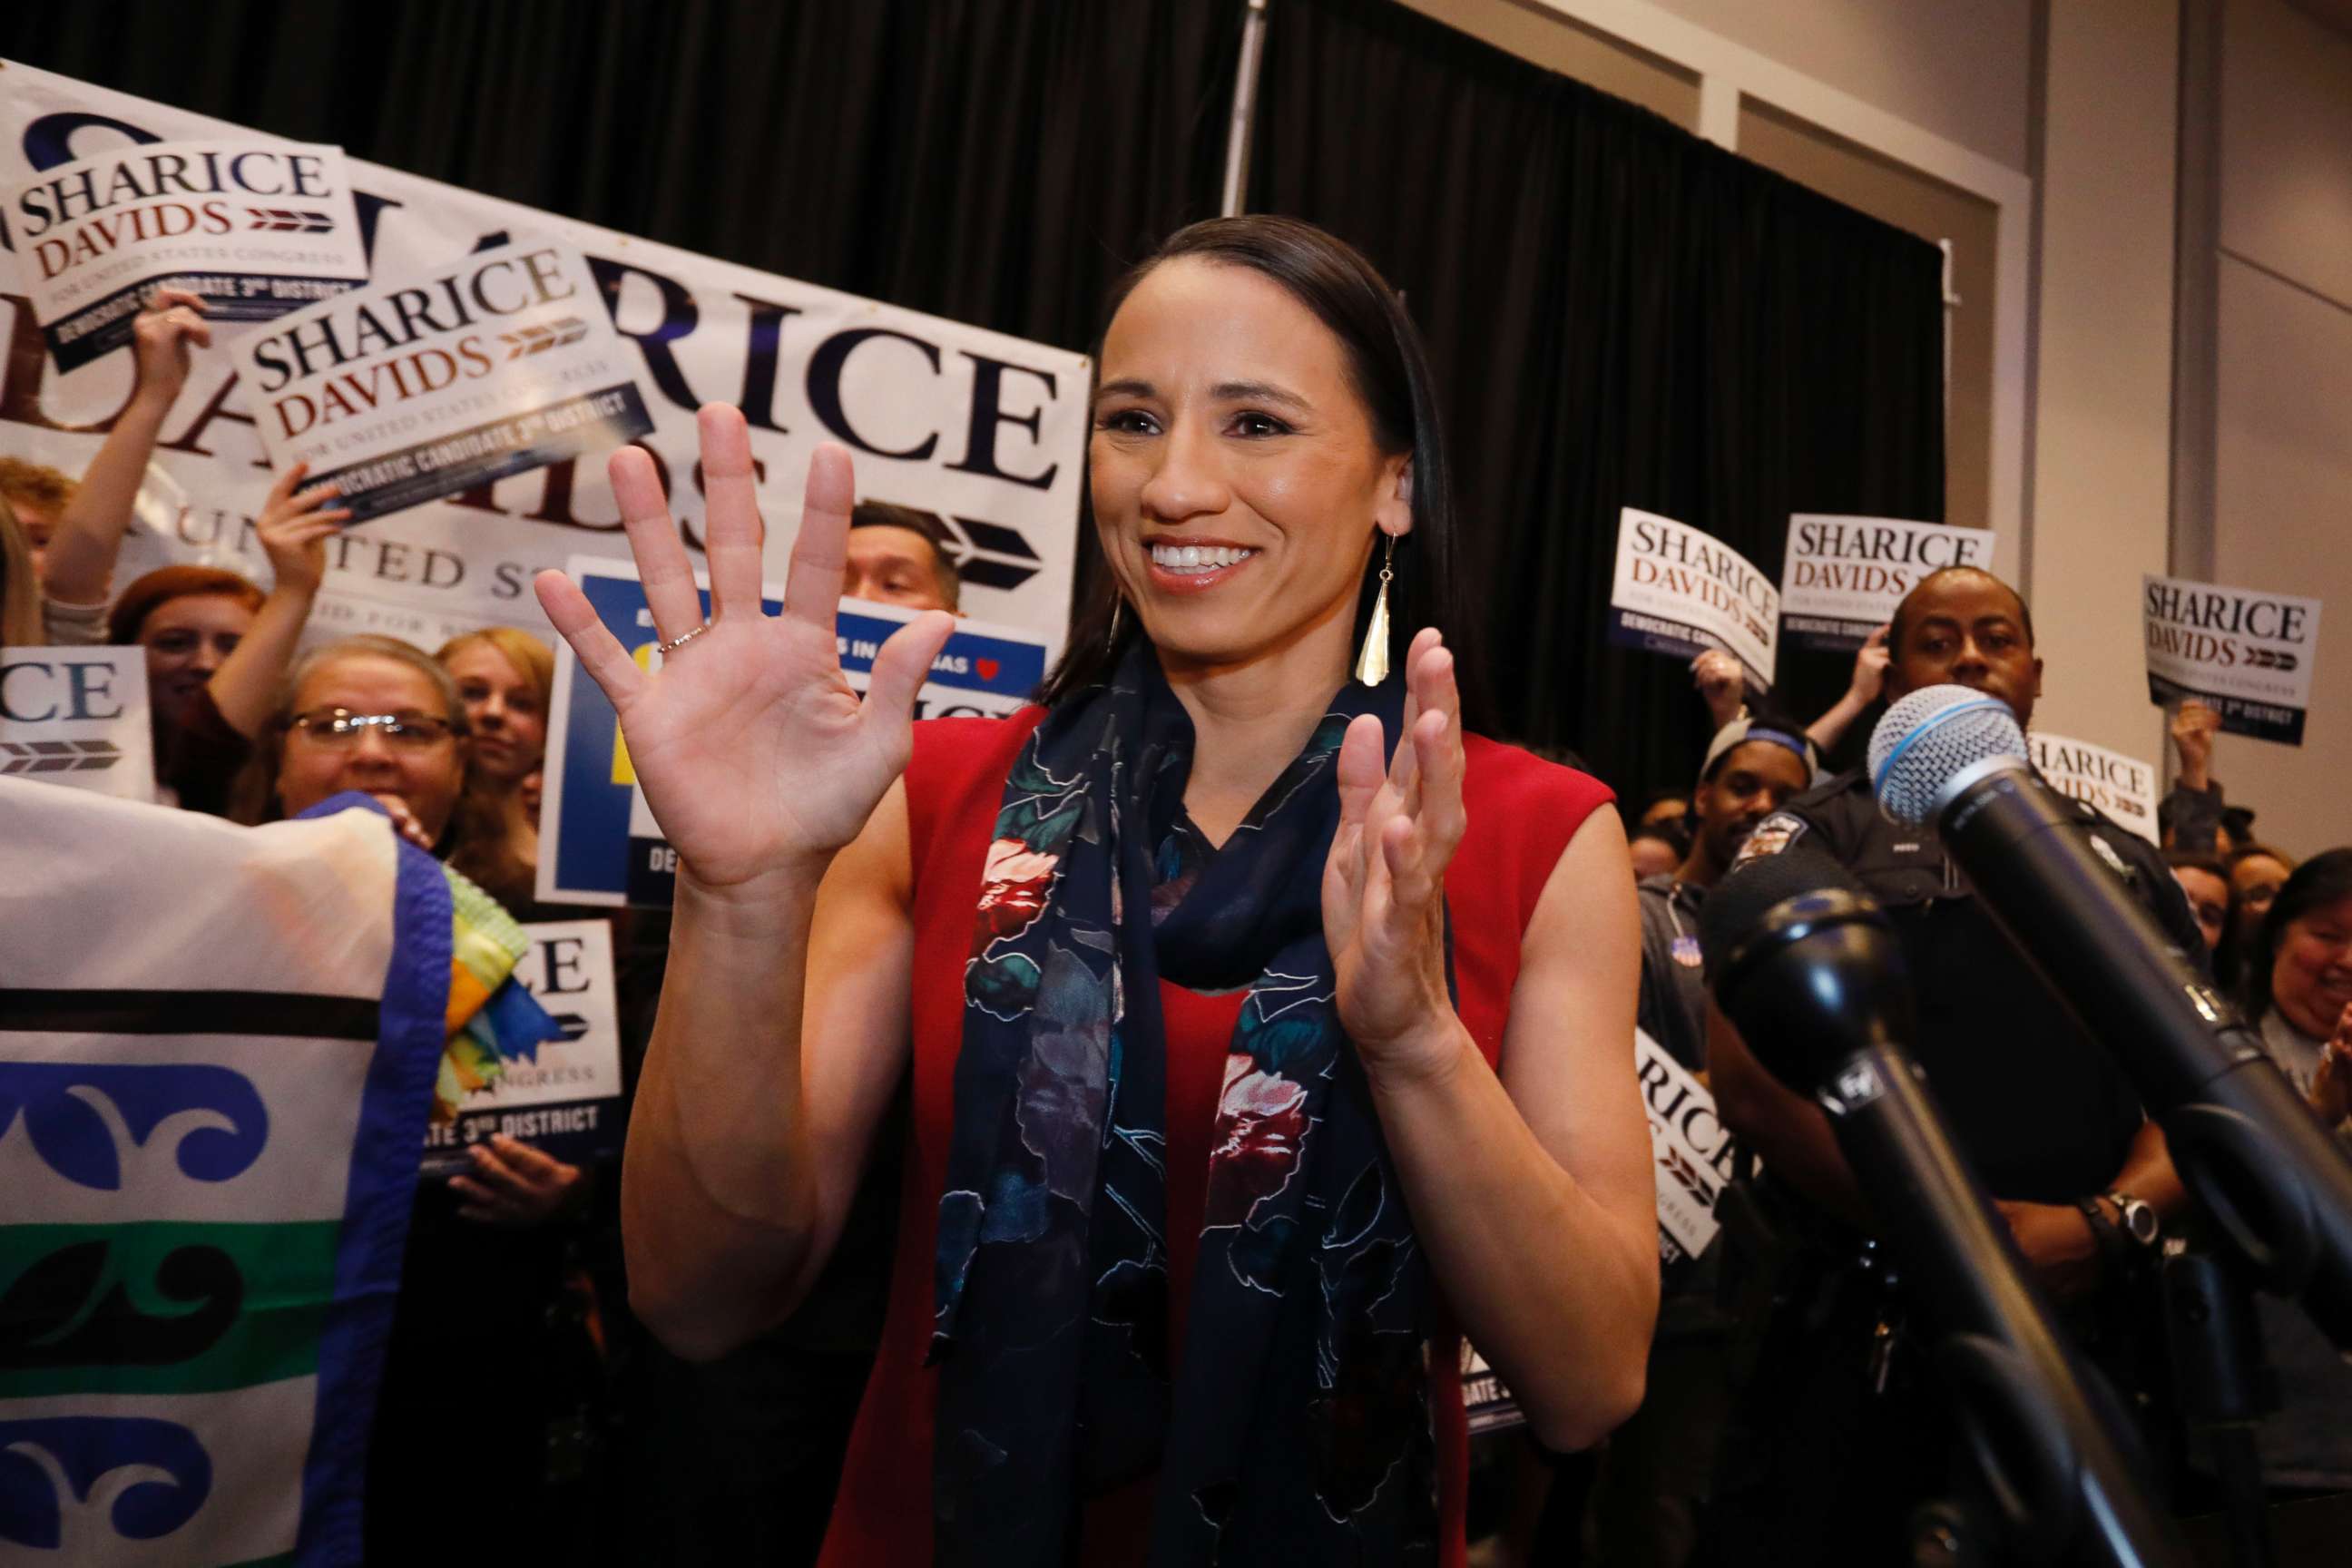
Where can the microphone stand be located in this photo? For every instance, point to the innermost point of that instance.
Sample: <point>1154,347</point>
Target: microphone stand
<point>2225,1386</point>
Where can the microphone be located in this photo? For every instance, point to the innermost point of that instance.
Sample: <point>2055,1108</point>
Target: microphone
<point>1802,960</point>
<point>2274,1183</point>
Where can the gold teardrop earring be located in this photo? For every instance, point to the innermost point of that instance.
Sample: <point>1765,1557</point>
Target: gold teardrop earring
<point>1372,663</point>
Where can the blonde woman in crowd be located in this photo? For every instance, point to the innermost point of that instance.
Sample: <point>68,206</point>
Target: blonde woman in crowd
<point>506,679</point>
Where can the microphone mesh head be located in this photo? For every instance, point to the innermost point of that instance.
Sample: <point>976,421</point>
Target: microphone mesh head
<point>1737,905</point>
<point>1927,738</point>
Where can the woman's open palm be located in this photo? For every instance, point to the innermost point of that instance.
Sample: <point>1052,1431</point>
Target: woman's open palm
<point>754,754</point>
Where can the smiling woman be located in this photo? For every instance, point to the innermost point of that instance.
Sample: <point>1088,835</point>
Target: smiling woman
<point>1324,377</point>
<point>1266,1028</point>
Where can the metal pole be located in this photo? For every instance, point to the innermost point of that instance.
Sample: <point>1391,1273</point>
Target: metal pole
<point>1951,305</point>
<point>1237,129</point>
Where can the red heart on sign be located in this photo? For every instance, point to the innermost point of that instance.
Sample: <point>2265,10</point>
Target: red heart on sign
<point>987,668</point>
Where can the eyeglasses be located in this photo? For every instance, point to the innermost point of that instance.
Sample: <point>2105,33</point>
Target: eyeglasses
<point>341,727</point>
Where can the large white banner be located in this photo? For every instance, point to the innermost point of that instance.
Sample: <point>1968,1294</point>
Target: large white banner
<point>2245,654</point>
<point>2123,787</point>
<point>1842,576</point>
<point>78,716</point>
<point>257,227</point>
<point>1679,590</point>
<point>984,431</point>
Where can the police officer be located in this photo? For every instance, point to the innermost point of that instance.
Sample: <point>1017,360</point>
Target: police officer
<point>1846,1428</point>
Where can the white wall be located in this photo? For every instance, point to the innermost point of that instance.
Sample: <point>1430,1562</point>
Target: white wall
<point>2103,420</point>
<point>1961,68</point>
<point>2283,450</point>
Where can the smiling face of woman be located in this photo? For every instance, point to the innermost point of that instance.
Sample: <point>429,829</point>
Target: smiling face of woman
<point>425,772</point>
<point>186,640</point>
<point>2311,979</point>
<point>502,711</point>
<point>1236,479</point>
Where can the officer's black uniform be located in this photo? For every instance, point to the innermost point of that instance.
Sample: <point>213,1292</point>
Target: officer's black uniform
<point>1839,1432</point>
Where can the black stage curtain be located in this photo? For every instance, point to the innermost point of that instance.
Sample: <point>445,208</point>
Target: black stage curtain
<point>1619,314</point>
<point>998,161</point>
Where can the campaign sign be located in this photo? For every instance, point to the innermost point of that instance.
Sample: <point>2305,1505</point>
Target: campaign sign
<point>258,228</point>
<point>1485,1400</point>
<point>598,844</point>
<point>432,384</point>
<point>78,716</point>
<point>1678,591</point>
<point>2123,787</point>
<point>2246,655</point>
<point>567,1101</point>
<point>1842,576</point>
<point>1695,1153</point>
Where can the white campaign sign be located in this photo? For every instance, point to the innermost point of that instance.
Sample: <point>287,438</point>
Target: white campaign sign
<point>1695,1153</point>
<point>568,1101</point>
<point>1678,591</point>
<point>2247,655</point>
<point>431,384</point>
<point>985,432</point>
<point>1842,576</point>
<point>258,227</point>
<point>78,716</point>
<point>2123,787</point>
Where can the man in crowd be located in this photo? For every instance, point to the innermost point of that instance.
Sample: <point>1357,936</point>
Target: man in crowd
<point>899,556</point>
<point>1655,1474</point>
<point>1843,1429</point>
<point>1751,769</point>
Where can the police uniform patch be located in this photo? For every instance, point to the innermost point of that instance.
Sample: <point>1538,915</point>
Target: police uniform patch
<point>2107,852</point>
<point>1772,836</point>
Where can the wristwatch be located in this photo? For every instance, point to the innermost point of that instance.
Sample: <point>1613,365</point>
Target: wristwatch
<point>2140,1222</point>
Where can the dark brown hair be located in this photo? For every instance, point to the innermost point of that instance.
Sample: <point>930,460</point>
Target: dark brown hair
<point>1391,372</point>
<point>2323,880</point>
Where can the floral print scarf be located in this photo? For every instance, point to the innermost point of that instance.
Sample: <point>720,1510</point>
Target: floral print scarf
<point>1298,1428</point>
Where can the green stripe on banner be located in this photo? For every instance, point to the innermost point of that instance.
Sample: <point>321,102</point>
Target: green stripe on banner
<point>160,1308</point>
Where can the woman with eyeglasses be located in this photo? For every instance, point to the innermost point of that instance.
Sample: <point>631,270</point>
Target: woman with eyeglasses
<point>487,1254</point>
<point>216,645</point>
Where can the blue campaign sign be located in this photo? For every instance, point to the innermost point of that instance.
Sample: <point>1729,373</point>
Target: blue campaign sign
<point>587,853</point>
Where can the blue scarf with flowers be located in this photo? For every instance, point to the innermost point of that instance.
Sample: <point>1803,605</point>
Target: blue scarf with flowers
<point>1296,1430</point>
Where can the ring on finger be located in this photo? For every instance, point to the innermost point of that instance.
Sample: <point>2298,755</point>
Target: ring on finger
<point>676,643</point>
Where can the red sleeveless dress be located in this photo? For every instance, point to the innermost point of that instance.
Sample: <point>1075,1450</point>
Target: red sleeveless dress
<point>1522,812</point>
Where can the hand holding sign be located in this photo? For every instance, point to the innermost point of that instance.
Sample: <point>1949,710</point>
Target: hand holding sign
<point>166,334</point>
<point>294,527</point>
<point>755,752</point>
<point>1870,667</point>
<point>2194,725</point>
<point>1722,685</point>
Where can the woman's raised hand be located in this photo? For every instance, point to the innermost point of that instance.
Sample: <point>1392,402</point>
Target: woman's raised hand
<point>1384,885</point>
<point>755,755</point>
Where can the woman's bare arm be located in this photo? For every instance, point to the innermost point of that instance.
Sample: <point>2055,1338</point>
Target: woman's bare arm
<point>1532,1191</point>
<point>782,1035</point>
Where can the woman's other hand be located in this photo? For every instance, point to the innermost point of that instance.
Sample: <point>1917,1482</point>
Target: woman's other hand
<point>1384,885</point>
